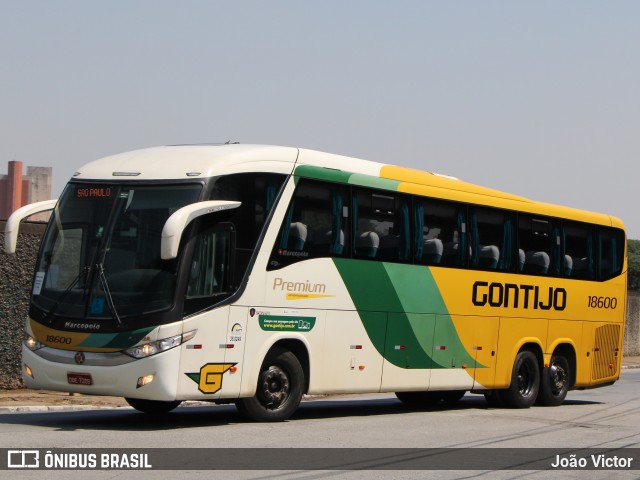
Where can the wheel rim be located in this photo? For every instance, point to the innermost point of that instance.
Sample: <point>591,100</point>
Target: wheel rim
<point>275,387</point>
<point>557,378</point>
<point>525,379</point>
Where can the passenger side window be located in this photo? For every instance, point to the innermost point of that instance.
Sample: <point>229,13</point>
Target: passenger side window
<point>610,252</point>
<point>327,219</point>
<point>578,257</point>
<point>440,233</point>
<point>491,233</point>
<point>315,225</point>
<point>257,194</point>
<point>539,251</point>
<point>382,226</point>
<point>209,273</point>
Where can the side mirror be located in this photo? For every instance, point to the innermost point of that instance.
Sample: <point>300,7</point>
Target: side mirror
<point>13,223</point>
<point>176,223</point>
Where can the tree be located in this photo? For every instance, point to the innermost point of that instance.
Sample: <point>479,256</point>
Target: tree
<point>634,265</point>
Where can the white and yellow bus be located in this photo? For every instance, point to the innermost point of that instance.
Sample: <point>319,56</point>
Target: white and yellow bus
<point>257,274</point>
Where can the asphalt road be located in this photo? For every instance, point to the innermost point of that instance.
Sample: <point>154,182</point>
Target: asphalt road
<point>606,417</point>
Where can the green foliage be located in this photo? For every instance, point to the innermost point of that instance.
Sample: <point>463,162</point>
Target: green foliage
<point>634,264</point>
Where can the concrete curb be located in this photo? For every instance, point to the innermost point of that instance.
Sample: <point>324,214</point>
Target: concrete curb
<point>52,408</point>
<point>71,408</point>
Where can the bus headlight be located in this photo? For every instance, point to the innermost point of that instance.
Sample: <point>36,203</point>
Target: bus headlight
<point>153,348</point>
<point>31,343</point>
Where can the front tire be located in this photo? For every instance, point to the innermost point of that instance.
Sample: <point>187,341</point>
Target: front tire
<point>525,382</point>
<point>555,382</point>
<point>152,407</point>
<point>279,391</point>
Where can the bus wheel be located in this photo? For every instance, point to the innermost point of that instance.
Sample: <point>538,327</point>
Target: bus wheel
<point>525,382</point>
<point>555,382</point>
<point>152,407</point>
<point>279,391</point>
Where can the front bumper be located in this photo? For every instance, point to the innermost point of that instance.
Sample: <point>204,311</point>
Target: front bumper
<point>111,378</point>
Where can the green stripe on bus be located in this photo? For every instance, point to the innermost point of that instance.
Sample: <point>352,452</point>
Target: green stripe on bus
<point>340,176</point>
<point>416,312</point>
<point>318,173</point>
<point>115,340</point>
<point>374,182</point>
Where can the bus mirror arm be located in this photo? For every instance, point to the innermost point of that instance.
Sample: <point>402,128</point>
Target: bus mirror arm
<point>13,223</point>
<point>178,221</point>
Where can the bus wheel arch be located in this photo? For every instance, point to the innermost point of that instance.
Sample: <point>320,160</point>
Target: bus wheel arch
<point>525,378</point>
<point>281,383</point>
<point>558,377</point>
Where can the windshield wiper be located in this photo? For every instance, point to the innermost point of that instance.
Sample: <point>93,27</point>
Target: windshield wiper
<point>107,294</point>
<point>81,274</point>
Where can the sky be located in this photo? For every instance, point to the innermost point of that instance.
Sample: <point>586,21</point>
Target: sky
<point>539,99</point>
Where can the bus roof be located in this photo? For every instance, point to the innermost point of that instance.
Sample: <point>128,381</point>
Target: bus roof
<point>178,162</point>
<point>201,161</point>
<point>419,182</point>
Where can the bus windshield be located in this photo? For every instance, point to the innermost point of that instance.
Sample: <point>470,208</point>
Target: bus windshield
<point>101,258</point>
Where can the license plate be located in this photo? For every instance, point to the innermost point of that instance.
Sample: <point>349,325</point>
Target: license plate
<point>79,378</point>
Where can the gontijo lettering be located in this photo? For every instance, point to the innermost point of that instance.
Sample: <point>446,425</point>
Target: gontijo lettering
<point>511,295</point>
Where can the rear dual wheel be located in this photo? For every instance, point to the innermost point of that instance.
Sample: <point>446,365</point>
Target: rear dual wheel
<point>555,381</point>
<point>528,385</point>
<point>525,382</point>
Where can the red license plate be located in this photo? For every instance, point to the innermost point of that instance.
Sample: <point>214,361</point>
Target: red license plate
<point>79,378</point>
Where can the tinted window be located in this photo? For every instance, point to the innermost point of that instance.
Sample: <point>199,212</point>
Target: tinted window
<point>578,260</point>
<point>257,193</point>
<point>382,226</point>
<point>327,220</point>
<point>610,252</point>
<point>440,236</point>
<point>209,272</point>
<point>539,249</point>
<point>315,225</point>
<point>492,239</point>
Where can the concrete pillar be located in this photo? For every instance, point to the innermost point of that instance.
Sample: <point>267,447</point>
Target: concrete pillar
<point>14,187</point>
<point>39,181</point>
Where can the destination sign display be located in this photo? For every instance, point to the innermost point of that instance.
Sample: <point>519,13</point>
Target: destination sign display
<point>94,192</point>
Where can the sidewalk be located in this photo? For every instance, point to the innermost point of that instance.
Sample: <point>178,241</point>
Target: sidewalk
<point>14,401</point>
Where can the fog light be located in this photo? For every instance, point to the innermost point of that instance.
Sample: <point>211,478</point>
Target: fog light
<point>147,379</point>
<point>28,370</point>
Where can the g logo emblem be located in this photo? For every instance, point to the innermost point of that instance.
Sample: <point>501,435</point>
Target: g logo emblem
<point>209,379</point>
